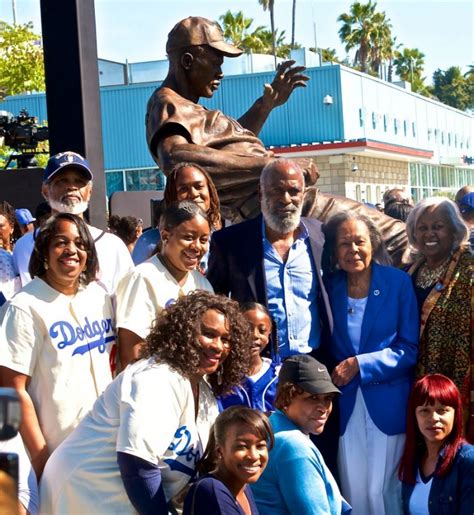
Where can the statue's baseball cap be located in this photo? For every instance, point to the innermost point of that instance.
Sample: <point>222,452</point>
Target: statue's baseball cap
<point>194,30</point>
<point>60,162</point>
<point>307,373</point>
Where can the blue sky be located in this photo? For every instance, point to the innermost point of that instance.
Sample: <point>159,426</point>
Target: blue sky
<point>136,29</point>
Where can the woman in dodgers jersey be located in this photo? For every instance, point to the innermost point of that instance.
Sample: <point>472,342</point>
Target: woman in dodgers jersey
<point>56,335</point>
<point>138,448</point>
<point>162,279</point>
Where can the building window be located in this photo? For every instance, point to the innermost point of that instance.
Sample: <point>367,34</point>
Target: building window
<point>361,118</point>
<point>374,121</point>
<point>395,126</point>
<point>413,129</point>
<point>449,139</point>
<point>144,179</point>
<point>442,137</point>
<point>385,123</point>
<point>358,194</point>
<point>368,193</point>
<point>114,182</point>
<point>405,127</point>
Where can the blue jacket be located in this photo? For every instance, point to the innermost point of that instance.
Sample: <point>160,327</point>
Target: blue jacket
<point>388,346</point>
<point>454,493</point>
<point>258,394</point>
<point>296,479</point>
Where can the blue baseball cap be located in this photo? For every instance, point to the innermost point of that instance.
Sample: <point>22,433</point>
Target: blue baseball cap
<point>24,216</point>
<point>466,204</point>
<point>64,160</point>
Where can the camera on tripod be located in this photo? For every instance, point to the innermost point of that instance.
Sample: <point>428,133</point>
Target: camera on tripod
<point>23,134</point>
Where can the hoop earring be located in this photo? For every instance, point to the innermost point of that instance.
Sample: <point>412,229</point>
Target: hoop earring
<point>45,264</point>
<point>219,374</point>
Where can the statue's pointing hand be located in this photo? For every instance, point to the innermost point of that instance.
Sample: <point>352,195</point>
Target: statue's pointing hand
<point>285,81</point>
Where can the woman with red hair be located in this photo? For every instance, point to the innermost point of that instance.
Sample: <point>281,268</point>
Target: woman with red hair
<point>437,465</point>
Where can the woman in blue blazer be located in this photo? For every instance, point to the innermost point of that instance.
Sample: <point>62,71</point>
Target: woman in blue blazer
<point>374,347</point>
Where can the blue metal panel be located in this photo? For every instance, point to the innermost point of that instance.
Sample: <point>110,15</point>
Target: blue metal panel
<point>123,126</point>
<point>311,120</point>
<point>303,119</point>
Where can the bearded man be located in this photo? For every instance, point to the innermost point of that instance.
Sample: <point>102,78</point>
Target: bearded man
<point>67,187</point>
<point>275,259</point>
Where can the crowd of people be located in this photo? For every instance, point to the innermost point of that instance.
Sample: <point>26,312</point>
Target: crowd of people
<point>276,366</point>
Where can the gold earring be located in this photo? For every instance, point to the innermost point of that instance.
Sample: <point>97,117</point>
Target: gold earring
<point>46,266</point>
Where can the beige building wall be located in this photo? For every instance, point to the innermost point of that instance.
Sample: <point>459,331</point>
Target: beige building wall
<point>368,183</point>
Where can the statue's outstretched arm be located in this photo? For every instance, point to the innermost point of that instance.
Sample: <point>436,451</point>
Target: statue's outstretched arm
<point>176,149</point>
<point>286,80</point>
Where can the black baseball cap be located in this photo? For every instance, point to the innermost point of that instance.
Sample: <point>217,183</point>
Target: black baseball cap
<point>307,373</point>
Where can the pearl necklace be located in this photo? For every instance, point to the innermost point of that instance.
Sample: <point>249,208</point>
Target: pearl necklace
<point>428,276</point>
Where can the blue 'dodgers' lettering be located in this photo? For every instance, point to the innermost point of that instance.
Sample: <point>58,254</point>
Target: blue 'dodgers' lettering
<point>183,447</point>
<point>101,330</point>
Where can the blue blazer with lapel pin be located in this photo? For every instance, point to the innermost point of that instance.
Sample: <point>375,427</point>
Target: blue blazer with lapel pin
<point>388,346</point>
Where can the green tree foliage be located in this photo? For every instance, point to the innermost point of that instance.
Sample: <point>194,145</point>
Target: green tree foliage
<point>453,88</point>
<point>369,32</point>
<point>237,30</point>
<point>329,55</point>
<point>409,65</point>
<point>21,59</point>
<point>469,76</point>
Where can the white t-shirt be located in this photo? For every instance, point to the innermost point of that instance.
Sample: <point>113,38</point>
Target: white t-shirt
<point>148,289</point>
<point>148,411</point>
<point>63,344</point>
<point>115,260</point>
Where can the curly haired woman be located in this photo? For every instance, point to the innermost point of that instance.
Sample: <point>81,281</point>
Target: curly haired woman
<point>138,448</point>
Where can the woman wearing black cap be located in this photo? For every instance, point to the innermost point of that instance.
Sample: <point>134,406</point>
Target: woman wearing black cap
<point>296,479</point>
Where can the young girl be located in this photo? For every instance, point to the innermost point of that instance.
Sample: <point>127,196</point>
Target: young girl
<point>259,388</point>
<point>236,455</point>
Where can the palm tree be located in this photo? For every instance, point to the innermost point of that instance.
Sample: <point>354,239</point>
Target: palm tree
<point>366,30</point>
<point>382,43</point>
<point>268,5</point>
<point>236,30</point>
<point>409,67</point>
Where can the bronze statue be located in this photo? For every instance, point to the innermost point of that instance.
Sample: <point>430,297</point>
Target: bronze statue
<point>179,129</point>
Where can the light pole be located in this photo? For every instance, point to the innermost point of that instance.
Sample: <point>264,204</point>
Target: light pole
<point>14,11</point>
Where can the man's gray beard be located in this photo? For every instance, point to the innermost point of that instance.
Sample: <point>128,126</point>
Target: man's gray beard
<point>282,225</point>
<point>74,208</point>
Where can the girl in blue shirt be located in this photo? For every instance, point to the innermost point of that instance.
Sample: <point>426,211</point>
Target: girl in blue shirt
<point>258,389</point>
